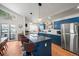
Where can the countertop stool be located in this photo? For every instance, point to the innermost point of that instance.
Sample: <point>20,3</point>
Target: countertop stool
<point>28,47</point>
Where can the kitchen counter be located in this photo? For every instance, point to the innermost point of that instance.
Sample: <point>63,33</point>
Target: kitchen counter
<point>42,45</point>
<point>39,39</point>
<point>49,33</point>
<point>36,38</point>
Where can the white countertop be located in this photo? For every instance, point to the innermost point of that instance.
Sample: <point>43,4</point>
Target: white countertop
<point>36,38</point>
<point>51,33</point>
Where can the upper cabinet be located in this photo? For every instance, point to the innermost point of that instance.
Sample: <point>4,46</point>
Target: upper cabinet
<point>57,24</point>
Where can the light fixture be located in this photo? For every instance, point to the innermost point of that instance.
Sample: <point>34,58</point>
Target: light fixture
<point>49,17</point>
<point>31,13</point>
<point>39,18</point>
<point>78,7</point>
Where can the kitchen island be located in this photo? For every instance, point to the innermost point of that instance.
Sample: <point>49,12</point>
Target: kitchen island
<point>56,49</point>
<point>42,45</point>
<point>48,45</point>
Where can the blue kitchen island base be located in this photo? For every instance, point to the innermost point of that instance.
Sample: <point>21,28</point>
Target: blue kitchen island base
<point>43,48</point>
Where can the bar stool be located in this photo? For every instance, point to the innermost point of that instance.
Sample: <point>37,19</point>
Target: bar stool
<point>28,47</point>
<point>19,37</point>
<point>24,39</point>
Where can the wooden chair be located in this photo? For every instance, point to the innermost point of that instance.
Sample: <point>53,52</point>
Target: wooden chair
<point>24,39</point>
<point>5,44</point>
<point>28,47</point>
<point>19,37</point>
<point>3,48</point>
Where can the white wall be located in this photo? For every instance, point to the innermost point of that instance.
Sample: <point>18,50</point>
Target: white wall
<point>27,22</point>
<point>17,20</point>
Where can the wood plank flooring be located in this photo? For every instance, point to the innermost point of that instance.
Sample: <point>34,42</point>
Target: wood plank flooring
<point>14,49</point>
<point>58,51</point>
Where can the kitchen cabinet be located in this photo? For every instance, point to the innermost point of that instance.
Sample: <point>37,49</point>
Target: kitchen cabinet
<point>54,38</point>
<point>43,48</point>
<point>57,24</point>
<point>58,51</point>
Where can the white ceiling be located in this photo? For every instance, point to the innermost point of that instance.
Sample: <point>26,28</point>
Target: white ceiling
<point>47,9</point>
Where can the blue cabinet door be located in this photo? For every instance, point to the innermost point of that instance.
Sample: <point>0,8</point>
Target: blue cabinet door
<point>56,39</point>
<point>71,20</point>
<point>43,48</point>
<point>57,24</point>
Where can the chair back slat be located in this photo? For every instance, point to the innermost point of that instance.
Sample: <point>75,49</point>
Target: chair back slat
<point>28,46</point>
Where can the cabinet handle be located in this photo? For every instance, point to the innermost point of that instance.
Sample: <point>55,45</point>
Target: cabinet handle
<point>45,44</point>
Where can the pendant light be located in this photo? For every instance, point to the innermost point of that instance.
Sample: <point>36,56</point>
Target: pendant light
<point>39,18</point>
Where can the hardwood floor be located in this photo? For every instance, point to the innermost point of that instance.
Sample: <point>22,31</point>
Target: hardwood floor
<point>58,51</point>
<point>14,49</point>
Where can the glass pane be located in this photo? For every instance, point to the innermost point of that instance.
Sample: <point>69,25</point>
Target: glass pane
<point>12,31</point>
<point>4,30</point>
<point>8,31</point>
<point>0,31</point>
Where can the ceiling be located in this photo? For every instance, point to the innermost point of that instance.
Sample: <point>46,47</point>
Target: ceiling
<point>47,9</point>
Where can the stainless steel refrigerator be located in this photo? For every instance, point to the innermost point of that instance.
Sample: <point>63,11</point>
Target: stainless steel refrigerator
<point>70,37</point>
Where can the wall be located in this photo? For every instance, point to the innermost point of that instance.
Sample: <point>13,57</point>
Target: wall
<point>70,13</point>
<point>28,23</point>
<point>16,20</point>
<point>63,18</point>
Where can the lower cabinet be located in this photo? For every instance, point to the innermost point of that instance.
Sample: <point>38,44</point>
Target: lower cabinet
<point>43,48</point>
<point>58,51</point>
